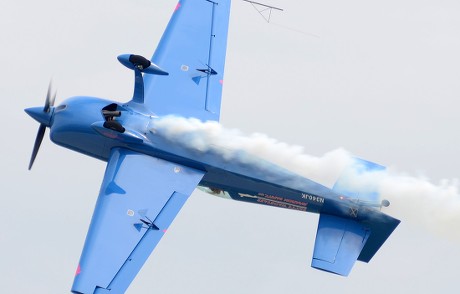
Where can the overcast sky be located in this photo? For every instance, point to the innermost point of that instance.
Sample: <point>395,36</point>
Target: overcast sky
<point>378,79</point>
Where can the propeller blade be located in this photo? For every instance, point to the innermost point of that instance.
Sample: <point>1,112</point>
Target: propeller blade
<point>42,118</point>
<point>49,101</point>
<point>53,99</point>
<point>38,141</point>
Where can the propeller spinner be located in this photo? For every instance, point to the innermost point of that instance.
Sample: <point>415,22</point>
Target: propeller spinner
<point>43,116</point>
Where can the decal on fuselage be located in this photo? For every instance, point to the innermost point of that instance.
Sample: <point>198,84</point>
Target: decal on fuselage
<point>276,201</point>
<point>313,198</point>
<point>304,201</point>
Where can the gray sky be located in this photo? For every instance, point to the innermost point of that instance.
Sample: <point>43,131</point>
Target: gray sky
<point>378,79</point>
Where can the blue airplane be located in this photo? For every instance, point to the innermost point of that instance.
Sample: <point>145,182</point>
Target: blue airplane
<point>148,177</point>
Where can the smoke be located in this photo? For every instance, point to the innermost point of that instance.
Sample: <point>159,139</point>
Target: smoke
<point>413,199</point>
<point>233,145</point>
<point>417,200</point>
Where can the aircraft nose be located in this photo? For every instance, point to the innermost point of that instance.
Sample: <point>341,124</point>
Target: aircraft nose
<point>41,116</point>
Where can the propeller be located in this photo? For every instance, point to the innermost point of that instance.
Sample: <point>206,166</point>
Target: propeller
<point>49,101</point>
<point>44,117</point>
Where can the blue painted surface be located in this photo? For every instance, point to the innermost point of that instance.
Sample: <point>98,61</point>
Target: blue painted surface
<point>139,69</point>
<point>137,190</point>
<point>39,115</point>
<point>359,166</point>
<point>338,244</point>
<point>148,177</point>
<point>192,50</point>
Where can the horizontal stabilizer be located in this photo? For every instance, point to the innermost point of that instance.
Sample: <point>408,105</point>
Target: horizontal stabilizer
<point>381,226</point>
<point>338,244</point>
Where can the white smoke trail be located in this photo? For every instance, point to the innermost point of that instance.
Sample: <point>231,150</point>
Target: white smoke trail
<point>232,144</point>
<point>417,200</point>
<point>414,199</point>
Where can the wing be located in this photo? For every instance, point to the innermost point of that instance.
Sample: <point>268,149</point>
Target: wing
<point>192,50</point>
<point>139,198</point>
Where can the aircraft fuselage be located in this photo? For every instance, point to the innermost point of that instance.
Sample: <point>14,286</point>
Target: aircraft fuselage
<point>78,124</point>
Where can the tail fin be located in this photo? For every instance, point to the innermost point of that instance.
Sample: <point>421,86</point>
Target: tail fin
<point>380,224</point>
<point>346,184</point>
<point>340,241</point>
<point>381,227</point>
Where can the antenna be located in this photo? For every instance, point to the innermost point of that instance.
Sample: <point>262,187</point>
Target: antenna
<point>262,9</point>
